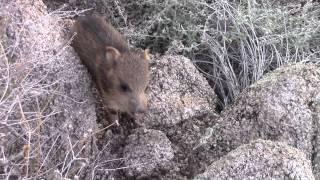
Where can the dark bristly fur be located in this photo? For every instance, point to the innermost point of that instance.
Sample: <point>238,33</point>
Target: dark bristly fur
<point>121,75</point>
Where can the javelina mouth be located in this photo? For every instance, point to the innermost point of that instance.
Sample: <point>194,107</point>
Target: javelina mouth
<point>139,115</point>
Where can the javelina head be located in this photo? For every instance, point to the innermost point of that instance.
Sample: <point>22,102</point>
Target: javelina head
<point>123,79</point>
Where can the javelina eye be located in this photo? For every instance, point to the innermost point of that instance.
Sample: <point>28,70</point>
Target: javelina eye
<point>146,89</point>
<point>124,87</point>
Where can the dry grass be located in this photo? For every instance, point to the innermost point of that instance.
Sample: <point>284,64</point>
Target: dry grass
<point>233,43</point>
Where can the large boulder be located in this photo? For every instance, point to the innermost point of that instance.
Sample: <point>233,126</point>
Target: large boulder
<point>147,152</point>
<point>47,109</point>
<point>261,160</point>
<point>182,105</point>
<point>178,92</point>
<point>283,106</point>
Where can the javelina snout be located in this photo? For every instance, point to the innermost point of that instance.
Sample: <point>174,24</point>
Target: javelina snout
<point>139,104</point>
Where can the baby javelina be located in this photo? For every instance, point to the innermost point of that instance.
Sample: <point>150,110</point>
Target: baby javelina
<point>121,74</point>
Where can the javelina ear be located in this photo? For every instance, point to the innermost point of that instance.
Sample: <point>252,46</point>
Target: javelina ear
<point>110,61</point>
<point>112,54</point>
<point>146,55</point>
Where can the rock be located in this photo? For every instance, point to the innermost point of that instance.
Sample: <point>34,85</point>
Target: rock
<point>279,107</point>
<point>187,139</point>
<point>147,151</point>
<point>177,92</point>
<point>181,105</point>
<point>47,110</point>
<point>261,160</point>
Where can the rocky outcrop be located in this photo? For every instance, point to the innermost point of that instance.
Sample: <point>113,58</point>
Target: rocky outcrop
<point>260,160</point>
<point>181,105</point>
<point>51,122</point>
<point>283,106</point>
<point>47,112</point>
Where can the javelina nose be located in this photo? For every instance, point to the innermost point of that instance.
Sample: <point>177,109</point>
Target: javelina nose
<point>140,104</point>
<point>140,110</point>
